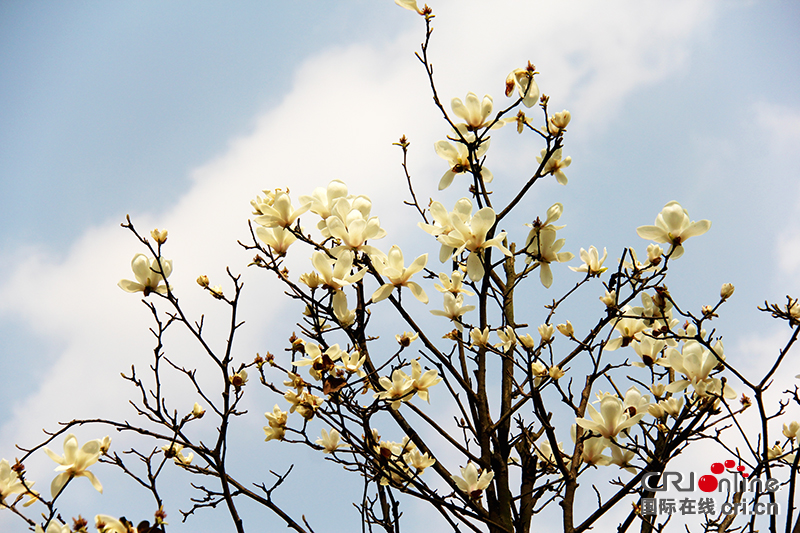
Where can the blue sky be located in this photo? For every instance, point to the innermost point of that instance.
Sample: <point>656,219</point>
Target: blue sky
<point>179,113</point>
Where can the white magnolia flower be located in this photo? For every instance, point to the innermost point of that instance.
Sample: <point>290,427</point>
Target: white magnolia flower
<point>331,442</point>
<point>75,462</point>
<point>457,156</point>
<point>277,419</point>
<point>507,339</point>
<point>149,277</point>
<point>344,315</point>
<point>543,248</point>
<point>336,273</point>
<point>470,483</point>
<point>522,79</point>
<point>790,431</point>
<point>673,226</point>
<point>398,275</point>
<point>420,381</point>
<point>417,460</point>
<point>395,390</point>
<point>630,327</point>
<point>559,122</point>
<point>443,223</point>
<point>411,5</point>
<point>592,263</point>
<point>555,165</point>
<point>351,223</point>
<point>280,212</point>
<point>696,363</point>
<point>277,238</point>
<point>610,420</point>
<point>453,309</point>
<point>473,111</point>
<point>175,451</point>
<point>108,524</point>
<point>478,337</point>
<point>9,482</point>
<point>55,527</point>
<point>452,284</point>
<point>471,235</point>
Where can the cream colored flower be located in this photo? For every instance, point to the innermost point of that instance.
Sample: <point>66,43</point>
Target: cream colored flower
<point>673,226</point>
<point>336,273</point>
<point>280,213</point>
<point>420,382</point>
<point>522,79</point>
<point>108,524</point>
<point>555,165</point>
<point>344,315</point>
<point>566,329</point>
<point>478,337</point>
<point>419,461</point>
<point>543,248</point>
<point>174,451</point>
<point>10,482</point>
<point>558,122</point>
<point>473,111</point>
<point>277,238</point>
<point>411,5</point>
<point>470,483</point>
<point>592,263</point>
<point>331,442</point>
<point>457,157</point>
<point>399,276</point>
<point>610,420</point>
<point>277,424</point>
<point>55,527</point>
<point>471,235</point>
<point>75,462</point>
<point>452,284</point>
<point>198,411</point>
<point>507,339</point>
<point>453,309</point>
<point>149,277</point>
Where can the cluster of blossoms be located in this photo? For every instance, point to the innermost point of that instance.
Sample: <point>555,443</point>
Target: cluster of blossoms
<point>399,462</point>
<point>402,387</point>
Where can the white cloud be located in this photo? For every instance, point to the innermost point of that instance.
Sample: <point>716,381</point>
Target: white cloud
<point>346,108</point>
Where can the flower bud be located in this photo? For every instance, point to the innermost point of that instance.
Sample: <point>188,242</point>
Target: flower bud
<point>160,236</point>
<point>726,291</point>
<point>546,331</point>
<point>538,369</point>
<point>216,292</point>
<point>658,389</point>
<point>556,372</point>
<point>609,298</point>
<point>203,281</point>
<point>790,431</point>
<point>654,253</point>
<point>406,338</point>
<point>105,444</point>
<point>656,410</point>
<point>527,341</point>
<point>198,411</point>
<point>566,329</point>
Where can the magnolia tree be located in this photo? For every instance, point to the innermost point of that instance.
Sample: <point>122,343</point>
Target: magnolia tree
<point>633,390</point>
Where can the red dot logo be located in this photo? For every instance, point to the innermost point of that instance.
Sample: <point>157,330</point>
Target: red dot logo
<point>707,483</point>
<point>730,463</point>
<point>717,468</point>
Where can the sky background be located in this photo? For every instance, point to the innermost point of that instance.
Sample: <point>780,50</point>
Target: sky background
<point>178,114</point>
